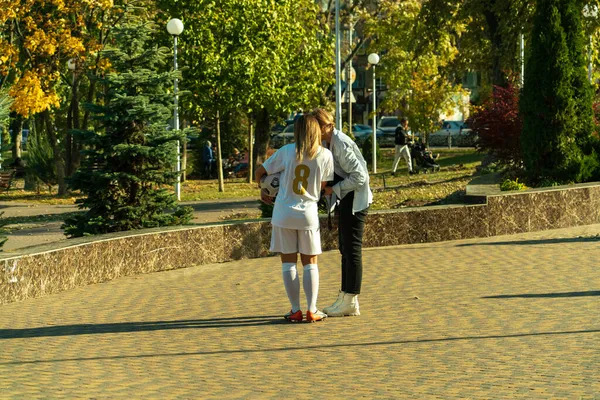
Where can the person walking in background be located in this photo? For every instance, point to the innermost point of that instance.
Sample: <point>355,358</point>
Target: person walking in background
<point>351,185</point>
<point>207,160</point>
<point>305,168</point>
<point>402,140</point>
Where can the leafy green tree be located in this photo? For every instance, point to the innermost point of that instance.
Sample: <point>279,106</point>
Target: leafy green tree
<point>129,164</point>
<point>261,57</point>
<point>416,69</point>
<point>556,102</point>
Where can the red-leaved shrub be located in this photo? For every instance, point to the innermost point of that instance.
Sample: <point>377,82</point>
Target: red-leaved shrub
<point>498,126</point>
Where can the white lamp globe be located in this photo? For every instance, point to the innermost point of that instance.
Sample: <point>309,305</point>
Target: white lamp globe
<point>590,11</point>
<point>175,27</point>
<point>72,64</point>
<point>373,59</point>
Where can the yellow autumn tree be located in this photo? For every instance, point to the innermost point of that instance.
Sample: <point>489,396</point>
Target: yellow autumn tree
<point>37,38</point>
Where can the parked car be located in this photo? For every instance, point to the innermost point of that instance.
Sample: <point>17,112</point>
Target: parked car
<point>453,133</point>
<point>24,137</point>
<point>363,132</point>
<point>279,127</point>
<point>282,138</point>
<point>388,125</point>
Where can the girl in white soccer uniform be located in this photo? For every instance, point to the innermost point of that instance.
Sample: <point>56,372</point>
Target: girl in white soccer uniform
<point>305,168</point>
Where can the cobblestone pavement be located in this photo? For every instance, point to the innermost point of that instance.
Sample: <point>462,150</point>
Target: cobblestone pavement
<point>497,318</point>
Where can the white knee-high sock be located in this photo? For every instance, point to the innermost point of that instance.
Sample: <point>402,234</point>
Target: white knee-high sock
<point>310,281</point>
<point>292,284</point>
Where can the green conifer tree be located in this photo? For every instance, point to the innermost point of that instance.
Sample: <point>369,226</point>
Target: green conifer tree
<point>556,102</point>
<point>127,172</point>
<point>583,92</point>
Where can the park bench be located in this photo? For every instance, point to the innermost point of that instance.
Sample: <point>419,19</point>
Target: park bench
<point>6,178</point>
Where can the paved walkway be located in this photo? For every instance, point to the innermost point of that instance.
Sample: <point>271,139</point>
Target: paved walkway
<point>498,318</point>
<point>47,231</point>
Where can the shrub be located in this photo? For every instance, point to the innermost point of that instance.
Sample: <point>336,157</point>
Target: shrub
<point>40,167</point>
<point>266,210</point>
<point>498,126</point>
<point>367,151</point>
<point>509,184</point>
<point>547,182</point>
<point>490,169</point>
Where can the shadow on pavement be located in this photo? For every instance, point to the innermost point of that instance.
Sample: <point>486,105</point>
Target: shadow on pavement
<point>544,295</point>
<point>328,346</point>
<point>223,205</point>
<point>122,327</point>
<point>535,241</point>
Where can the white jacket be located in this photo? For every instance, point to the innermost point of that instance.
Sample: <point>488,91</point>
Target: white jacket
<point>350,164</point>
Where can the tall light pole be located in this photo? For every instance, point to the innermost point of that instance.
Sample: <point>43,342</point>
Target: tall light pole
<point>374,60</point>
<point>349,80</point>
<point>338,64</point>
<point>522,58</point>
<point>590,11</point>
<point>175,28</point>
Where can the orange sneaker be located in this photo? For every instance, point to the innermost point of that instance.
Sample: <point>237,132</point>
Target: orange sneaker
<point>316,316</point>
<point>294,316</point>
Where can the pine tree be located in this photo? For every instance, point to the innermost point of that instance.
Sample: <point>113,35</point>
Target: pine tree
<point>127,171</point>
<point>555,100</point>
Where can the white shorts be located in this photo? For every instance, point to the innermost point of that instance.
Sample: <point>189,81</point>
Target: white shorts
<point>291,241</point>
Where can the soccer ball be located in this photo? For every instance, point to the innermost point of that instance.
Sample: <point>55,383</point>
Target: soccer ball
<point>270,184</point>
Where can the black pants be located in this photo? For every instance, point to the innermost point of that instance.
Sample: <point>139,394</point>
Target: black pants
<point>350,230</point>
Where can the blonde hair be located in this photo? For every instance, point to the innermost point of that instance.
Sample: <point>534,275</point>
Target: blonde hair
<point>324,117</point>
<point>307,134</point>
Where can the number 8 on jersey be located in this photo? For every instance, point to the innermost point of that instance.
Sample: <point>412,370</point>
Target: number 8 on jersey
<point>301,174</point>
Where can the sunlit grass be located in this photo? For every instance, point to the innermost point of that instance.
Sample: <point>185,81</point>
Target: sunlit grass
<point>457,168</point>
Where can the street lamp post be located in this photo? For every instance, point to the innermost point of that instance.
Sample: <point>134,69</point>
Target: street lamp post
<point>175,28</point>
<point>590,11</point>
<point>374,60</point>
<point>349,77</point>
<point>72,65</point>
<point>338,64</point>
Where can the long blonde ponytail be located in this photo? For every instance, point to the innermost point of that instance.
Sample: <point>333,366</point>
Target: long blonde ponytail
<point>307,134</point>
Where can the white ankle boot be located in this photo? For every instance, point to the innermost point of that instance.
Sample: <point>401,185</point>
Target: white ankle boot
<point>348,306</point>
<point>336,303</point>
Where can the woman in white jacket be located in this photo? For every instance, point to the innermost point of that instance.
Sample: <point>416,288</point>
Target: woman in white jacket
<point>351,186</point>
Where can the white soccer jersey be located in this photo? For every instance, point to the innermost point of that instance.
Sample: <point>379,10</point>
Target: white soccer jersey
<point>299,186</point>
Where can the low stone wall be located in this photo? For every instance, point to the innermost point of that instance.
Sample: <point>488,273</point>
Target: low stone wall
<point>41,270</point>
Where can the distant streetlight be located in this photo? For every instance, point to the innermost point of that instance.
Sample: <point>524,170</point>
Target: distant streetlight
<point>72,65</point>
<point>175,28</point>
<point>590,11</point>
<point>374,60</point>
<point>338,64</point>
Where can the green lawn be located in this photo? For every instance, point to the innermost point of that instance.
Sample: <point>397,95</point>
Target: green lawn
<point>458,166</point>
<point>446,186</point>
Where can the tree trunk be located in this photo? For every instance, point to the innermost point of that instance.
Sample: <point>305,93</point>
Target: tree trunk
<point>184,162</point>
<point>58,160</point>
<point>250,148</point>
<point>219,159</point>
<point>75,148</point>
<point>16,135</point>
<point>261,136</point>
<point>89,99</point>
<point>495,36</point>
